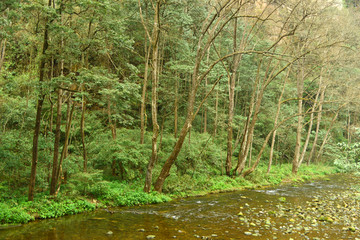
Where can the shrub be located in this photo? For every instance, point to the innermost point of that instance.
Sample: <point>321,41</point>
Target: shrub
<point>12,215</point>
<point>56,208</point>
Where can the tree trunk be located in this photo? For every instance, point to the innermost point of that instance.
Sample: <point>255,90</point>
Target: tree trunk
<point>155,77</point>
<point>216,111</point>
<point>143,97</point>
<point>50,130</point>
<point>310,126</point>
<point>236,62</point>
<point>2,52</point>
<point>299,128</point>
<point>231,115</point>
<point>348,127</point>
<point>38,111</point>
<point>176,103</point>
<point>69,115</point>
<point>276,121</point>
<point>56,145</point>
<point>206,83</point>
<point>328,132</point>
<point>113,134</point>
<point>82,130</point>
<point>250,124</point>
<point>322,97</point>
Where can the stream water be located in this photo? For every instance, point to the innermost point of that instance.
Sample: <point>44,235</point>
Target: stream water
<point>284,212</point>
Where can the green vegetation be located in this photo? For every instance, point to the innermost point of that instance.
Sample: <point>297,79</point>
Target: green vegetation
<point>103,194</point>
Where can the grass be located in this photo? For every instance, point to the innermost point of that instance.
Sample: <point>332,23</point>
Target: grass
<point>101,194</point>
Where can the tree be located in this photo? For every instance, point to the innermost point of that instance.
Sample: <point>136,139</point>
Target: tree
<point>217,19</point>
<point>40,102</point>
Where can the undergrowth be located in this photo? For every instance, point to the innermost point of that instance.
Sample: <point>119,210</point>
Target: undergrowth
<point>78,196</point>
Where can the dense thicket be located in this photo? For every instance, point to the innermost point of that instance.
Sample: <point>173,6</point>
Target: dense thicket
<point>155,90</point>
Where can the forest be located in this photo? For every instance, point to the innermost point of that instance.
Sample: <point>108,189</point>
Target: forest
<point>125,102</point>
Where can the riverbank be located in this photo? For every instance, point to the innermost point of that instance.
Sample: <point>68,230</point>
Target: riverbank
<point>15,209</point>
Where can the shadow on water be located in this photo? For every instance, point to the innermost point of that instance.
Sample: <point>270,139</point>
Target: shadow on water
<point>283,212</point>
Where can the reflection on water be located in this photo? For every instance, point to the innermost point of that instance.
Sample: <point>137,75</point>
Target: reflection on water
<point>214,216</point>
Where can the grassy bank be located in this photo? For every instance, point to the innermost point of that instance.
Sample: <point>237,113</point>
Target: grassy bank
<point>77,198</point>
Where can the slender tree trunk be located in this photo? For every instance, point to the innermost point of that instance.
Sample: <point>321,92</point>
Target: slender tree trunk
<point>348,127</point>
<point>69,114</point>
<point>38,111</point>
<point>111,124</point>
<point>231,115</point>
<point>2,52</point>
<point>143,97</point>
<point>216,111</point>
<point>161,132</point>
<point>252,169</point>
<point>50,130</point>
<point>56,145</point>
<point>319,116</point>
<point>113,134</point>
<point>302,156</point>
<point>300,90</point>
<point>176,103</point>
<point>206,83</point>
<point>327,133</point>
<point>275,123</point>
<point>82,130</point>
<point>250,124</point>
<point>155,77</point>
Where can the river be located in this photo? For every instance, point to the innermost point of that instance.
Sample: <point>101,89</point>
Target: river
<point>323,209</point>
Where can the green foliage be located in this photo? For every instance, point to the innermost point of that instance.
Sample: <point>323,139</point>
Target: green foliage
<point>85,183</point>
<point>12,215</point>
<point>14,155</point>
<point>125,151</point>
<point>47,208</point>
<point>123,194</point>
<point>139,197</point>
<point>347,157</point>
